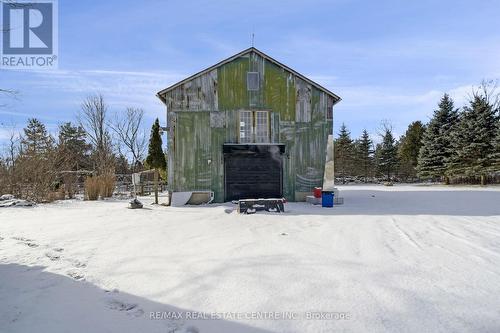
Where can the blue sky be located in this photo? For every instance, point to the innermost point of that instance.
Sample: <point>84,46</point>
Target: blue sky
<point>388,60</point>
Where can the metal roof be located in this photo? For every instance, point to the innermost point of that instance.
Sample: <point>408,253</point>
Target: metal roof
<point>161,94</point>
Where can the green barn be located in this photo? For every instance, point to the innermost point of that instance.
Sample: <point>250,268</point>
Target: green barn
<point>248,127</point>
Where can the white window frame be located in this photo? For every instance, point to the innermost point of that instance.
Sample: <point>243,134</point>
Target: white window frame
<point>253,132</point>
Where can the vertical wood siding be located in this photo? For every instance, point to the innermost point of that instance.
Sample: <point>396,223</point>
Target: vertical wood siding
<point>203,115</point>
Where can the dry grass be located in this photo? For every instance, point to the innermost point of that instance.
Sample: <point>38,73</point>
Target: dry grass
<point>106,185</point>
<point>103,186</point>
<point>92,188</point>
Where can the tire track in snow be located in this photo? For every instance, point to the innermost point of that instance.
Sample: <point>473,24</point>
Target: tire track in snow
<point>465,241</point>
<point>406,235</point>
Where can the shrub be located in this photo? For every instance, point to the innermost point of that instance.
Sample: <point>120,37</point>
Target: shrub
<point>92,188</point>
<point>106,185</point>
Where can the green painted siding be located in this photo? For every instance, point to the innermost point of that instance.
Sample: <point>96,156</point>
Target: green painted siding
<point>279,91</point>
<point>192,151</point>
<point>204,114</point>
<point>232,85</point>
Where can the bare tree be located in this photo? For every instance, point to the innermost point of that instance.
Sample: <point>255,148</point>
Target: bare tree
<point>130,134</point>
<point>10,154</point>
<point>10,93</point>
<point>12,147</point>
<point>93,118</point>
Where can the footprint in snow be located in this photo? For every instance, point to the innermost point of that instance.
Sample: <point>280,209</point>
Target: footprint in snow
<point>26,241</point>
<point>52,256</point>
<point>128,308</point>
<point>58,249</point>
<point>78,264</point>
<point>75,275</point>
<point>116,291</point>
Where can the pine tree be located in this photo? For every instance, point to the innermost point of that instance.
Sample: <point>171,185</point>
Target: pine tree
<point>364,154</point>
<point>473,139</point>
<point>156,157</point>
<point>387,153</point>
<point>495,159</point>
<point>436,143</point>
<point>36,139</point>
<point>121,165</point>
<point>344,153</point>
<point>73,150</point>
<point>410,144</point>
<point>37,172</point>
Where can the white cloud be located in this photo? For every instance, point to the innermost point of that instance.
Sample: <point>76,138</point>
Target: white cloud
<point>120,88</point>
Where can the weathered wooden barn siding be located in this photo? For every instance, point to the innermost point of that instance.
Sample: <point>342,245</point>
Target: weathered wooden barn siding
<point>232,85</point>
<point>193,151</point>
<point>195,95</point>
<point>217,139</point>
<point>204,116</point>
<point>279,91</point>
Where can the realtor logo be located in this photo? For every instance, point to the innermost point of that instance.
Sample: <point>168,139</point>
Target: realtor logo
<point>29,34</point>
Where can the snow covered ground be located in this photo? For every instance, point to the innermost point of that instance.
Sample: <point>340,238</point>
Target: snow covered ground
<point>391,259</point>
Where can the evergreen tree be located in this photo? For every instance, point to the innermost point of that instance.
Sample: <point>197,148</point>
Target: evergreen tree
<point>121,165</point>
<point>36,139</point>
<point>387,153</point>
<point>156,157</point>
<point>36,162</point>
<point>495,163</point>
<point>73,150</point>
<point>364,154</point>
<point>436,143</point>
<point>344,153</point>
<point>473,139</point>
<point>410,144</point>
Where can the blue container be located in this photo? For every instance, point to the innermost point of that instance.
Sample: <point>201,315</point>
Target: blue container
<point>327,198</point>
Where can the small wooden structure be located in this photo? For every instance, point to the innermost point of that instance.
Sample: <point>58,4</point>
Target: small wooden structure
<point>251,206</point>
<point>144,182</point>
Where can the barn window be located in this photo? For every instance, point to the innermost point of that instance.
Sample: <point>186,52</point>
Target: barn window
<point>254,127</point>
<point>253,81</point>
<point>246,126</point>
<point>261,126</point>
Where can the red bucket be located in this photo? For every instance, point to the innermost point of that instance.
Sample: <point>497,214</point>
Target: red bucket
<point>317,192</point>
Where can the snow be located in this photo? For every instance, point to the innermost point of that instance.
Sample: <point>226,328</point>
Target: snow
<point>8,200</point>
<point>398,259</point>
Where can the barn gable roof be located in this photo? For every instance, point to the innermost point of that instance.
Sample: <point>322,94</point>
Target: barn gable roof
<point>161,94</point>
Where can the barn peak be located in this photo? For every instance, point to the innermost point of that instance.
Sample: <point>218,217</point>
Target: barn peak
<point>161,94</point>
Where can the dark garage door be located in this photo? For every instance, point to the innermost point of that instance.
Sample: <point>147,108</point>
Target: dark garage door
<point>253,171</point>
